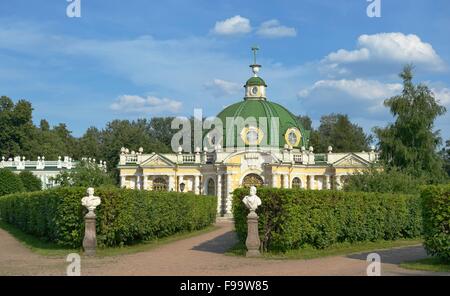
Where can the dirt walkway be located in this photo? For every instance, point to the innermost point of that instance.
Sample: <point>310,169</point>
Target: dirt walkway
<point>200,255</point>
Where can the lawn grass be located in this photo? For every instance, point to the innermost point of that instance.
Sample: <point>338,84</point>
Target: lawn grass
<point>428,264</point>
<point>338,249</point>
<point>49,249</point>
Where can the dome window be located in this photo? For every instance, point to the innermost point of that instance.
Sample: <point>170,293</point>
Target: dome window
<point>293,137</point>
<point>252,135</point>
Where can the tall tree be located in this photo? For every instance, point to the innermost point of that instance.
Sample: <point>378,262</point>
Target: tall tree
<point>91,145</point>
<point>160,128</point>
<point>306,122</point>
<point>16,128</point>
<point>338,131</point>
<point>130,134</point>
<point>410,142</point>
<point>445,154</point>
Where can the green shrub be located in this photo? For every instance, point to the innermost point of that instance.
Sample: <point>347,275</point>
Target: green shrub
<point>292,219</point>
<point>124,217</point>
<point>436,220</point>
<point>391,181</point>
<point>85,174</point>
<point>10,182</point>
<point>30,182</point>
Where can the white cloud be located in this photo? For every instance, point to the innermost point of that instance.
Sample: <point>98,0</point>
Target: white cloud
<point>149,104</point>
<point>357,88</point>
<point>273,29</point>
<point>345,56</point>
<point>232,26</point>
<point>389,48</point>
<point>221,87</point>
<point>442,95</point>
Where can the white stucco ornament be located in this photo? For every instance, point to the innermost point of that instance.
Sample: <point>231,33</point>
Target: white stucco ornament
<point>91,202</point>
<point>252,201</point>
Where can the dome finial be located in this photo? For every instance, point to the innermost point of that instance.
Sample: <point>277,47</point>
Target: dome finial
<point>255,67</point>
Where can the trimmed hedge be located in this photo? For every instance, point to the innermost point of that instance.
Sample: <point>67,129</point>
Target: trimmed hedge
<point>292,219</point>
<point>436,220</point>
<point>124,217</point>
<point>10,182</point>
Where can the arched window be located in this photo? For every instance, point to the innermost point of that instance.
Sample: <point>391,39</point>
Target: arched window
<point>211,187</point>
<point>252,180</point>
<point>296,183</point>
<point>159,184</point>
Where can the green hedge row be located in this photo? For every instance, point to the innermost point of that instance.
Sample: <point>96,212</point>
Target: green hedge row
<point>436,220</point>
<point>123,218</point>
<point>292,219</point>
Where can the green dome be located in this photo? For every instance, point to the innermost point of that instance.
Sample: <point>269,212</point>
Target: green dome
<point>262,108</point>
<point>255,81</point>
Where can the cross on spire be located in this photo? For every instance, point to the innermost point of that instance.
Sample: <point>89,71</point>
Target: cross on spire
<point>255,49</point>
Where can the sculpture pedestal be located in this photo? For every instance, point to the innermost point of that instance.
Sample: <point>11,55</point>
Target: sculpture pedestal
<point>90,238</point>
<point>252,243</point>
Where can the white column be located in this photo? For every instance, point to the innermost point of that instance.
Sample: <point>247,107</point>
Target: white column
<point>228,195</point>
<point>311,182</point>
<point>219,194</point>
<point>274,180</point>
<point>139,182</point>
<point>328,182</point>
<point>180,180</point>
<point>338,182</point>
<point>122,181</point>
<point>286,181</point>
<point>319,182</point>
<point>171,183</point>
<point>144,182</point>
<point>197,185</point>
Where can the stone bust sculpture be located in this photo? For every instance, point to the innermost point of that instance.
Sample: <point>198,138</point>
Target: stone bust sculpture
<point>252,201</point>
<point>90,201</point>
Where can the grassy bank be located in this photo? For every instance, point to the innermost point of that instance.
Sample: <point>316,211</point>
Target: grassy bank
<point>428,264</point>
<point>335,250</point>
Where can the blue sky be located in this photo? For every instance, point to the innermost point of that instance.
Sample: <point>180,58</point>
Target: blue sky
<point>131,59</point>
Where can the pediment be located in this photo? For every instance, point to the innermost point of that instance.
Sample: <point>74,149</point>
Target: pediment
<point>157,160</point>
<point>351,160</point>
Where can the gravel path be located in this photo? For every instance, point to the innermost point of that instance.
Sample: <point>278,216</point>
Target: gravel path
<point>200,255</point>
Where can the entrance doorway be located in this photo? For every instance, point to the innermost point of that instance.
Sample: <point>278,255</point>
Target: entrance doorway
<point>252,180</point>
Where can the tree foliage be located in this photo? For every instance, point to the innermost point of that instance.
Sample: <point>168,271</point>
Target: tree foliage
<point>10,182</point>
<point>445,154</point>
<point>30,182</point>
<point>337,131</point>
<point>85,174</point>
<point>410,142</point>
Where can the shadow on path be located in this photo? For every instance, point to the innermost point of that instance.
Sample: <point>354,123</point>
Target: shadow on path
<point>395,256</point>
<point>219,244</point>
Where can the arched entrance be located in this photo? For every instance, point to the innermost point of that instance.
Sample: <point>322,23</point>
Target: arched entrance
<point>159,184</point>
<point>296,183</point>
<point>211,187</point>
<point>252,180</point>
